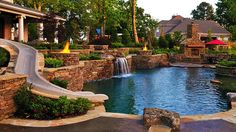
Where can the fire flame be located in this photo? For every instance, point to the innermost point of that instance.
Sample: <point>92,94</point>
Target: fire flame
<point>145,47</point>
<point>66,49</point>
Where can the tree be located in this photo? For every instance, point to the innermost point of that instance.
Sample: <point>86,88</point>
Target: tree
<point>226,12</point>
<point>162,42</point>
<point>177,38</point>
<point>204,11</point>
<point>135,34</point>
<point>170,41</point>
<point>226,15</point>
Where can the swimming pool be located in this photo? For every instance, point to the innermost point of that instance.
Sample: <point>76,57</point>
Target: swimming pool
<point>187,91</point>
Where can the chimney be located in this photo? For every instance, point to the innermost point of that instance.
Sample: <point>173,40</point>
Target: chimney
<point>192,30</point>
<point>10,1</point>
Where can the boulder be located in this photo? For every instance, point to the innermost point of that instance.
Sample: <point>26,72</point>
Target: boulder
<point>155,116</point>
<point>3,70</point>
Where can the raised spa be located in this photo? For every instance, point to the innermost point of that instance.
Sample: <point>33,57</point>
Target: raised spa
<point>186,91</point>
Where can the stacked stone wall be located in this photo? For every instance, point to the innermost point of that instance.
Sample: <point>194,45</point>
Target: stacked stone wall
<point>9,85</point>
<point>73,74</point>
<point>149,61</point>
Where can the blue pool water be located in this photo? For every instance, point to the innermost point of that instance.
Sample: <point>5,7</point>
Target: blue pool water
<point>186,91</point>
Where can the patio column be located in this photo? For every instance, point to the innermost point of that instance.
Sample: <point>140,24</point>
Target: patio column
<point>56,33</point>
<point>21,27</point>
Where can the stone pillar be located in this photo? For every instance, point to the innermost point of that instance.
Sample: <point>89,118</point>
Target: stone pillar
<point>12,33</point>
<point>40,31</point>
<point>21,28</point>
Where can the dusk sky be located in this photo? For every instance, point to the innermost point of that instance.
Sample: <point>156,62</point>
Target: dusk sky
<point>164,9</point>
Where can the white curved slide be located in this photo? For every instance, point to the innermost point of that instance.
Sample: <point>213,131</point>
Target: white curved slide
<point>27,64</point>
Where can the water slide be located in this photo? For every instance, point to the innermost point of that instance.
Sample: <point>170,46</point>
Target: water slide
<point>27,63</point>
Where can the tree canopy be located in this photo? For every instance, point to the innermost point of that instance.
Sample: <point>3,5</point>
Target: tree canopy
<point>84,16</point>
<point>204,11</point>
<point>226,15</point>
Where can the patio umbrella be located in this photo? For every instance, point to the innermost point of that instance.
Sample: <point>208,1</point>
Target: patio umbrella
<point>216,42</point>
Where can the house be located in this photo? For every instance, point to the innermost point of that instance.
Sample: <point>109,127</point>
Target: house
<point>14,20</point>
<point>178,23</point>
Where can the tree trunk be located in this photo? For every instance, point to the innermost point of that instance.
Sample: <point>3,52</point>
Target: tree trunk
<point>38,7</point>
<point>134,21</point>
<point>103,28</point>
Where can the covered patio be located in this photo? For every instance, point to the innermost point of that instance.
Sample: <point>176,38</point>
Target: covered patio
<point>14,20</point>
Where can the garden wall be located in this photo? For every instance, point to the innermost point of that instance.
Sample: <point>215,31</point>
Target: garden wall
<point>81,51</point>
<point>9,85</point>
<point>97,69</point>
<point>149,61</point>
<point>77,75</point>
<point>226,71</point>
<point>73,74</point>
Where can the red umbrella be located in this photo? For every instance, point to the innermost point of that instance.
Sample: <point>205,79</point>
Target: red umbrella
<point>216,42</point>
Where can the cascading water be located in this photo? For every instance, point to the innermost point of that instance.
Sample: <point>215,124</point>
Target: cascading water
<point>121,66</point>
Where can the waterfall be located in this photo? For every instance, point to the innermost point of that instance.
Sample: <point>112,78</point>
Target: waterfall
<point>121,66</point>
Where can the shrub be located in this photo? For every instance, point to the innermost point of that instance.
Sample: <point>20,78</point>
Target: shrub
<point>227,63</point>
<point>59,82</point>
<point>117,45</point>
<point>131,44</point>
<point>162,42</point>
<point>38,107</point>
<point>92,56</point>
<point>53,62</point>
<point>74,46</point>
<point>40,45</point>
<point>47,55</point>
<point>155,42</point>
<point>166,51</point>
<point>23,101</point>
<point>101,41</point>
<point>4,57</point>
<point>133,51</point>
<point>139,45</point>
<point>126,37</point>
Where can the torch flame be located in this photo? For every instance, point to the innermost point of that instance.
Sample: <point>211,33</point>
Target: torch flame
<point>145,47</point>
<point>66,49</point>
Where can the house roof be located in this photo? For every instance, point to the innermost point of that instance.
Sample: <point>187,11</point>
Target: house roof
<point>180,24</point>
<point>21,10</point>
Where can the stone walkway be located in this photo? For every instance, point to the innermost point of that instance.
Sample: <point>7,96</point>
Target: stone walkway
<point>100,121</point>
<point>100,124</point>
<point>208,126</point>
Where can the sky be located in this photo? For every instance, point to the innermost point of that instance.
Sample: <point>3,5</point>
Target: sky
<point>165,9</point>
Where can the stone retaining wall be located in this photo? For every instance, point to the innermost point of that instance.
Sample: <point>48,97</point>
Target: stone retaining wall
<point>9,85</point>
<point>226,71</point>
<point>97,69</point>
<point>80,51</point>
<point>93,70</point>
<point>68,59</point>
<point>77,75</point>
<point>73,74</point>
<point>150,61</point>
